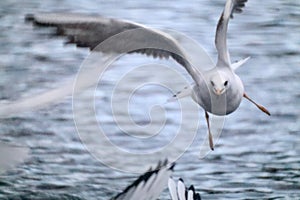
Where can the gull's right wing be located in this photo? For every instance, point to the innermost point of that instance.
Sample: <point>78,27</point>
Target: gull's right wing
<point>239,63</point>
<point>118,36</point>
<point>107,35</point>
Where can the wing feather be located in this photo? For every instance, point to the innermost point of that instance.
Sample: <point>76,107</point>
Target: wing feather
<point>123,36</point>
<point>231,6</point>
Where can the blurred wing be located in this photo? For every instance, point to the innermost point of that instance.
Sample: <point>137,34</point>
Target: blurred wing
<point>181,192</point>
<point>149,185</point>
<point>129,37</point>
<point>231,6</point>
<point>11,155</point>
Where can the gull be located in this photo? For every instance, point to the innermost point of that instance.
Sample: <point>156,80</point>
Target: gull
<point>218,91</point>
<point>150,185</point>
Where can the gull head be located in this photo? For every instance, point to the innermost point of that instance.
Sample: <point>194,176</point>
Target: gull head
<point>219,83</point>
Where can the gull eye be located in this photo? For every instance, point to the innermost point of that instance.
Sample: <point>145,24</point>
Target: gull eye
<point>225,83</point>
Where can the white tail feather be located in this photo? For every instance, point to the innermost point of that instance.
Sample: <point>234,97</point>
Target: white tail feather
<point>185,92</point>
<point>237,64</point>
<point>172,189</point>
<point>181,190</point>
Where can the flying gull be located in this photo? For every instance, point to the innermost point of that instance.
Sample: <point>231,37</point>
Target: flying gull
<point>218,91</point>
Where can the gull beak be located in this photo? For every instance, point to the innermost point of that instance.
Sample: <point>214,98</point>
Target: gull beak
<point>219,92</point>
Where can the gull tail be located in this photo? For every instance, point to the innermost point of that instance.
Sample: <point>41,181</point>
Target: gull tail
<point>237,64</point>
<point>185,92</point>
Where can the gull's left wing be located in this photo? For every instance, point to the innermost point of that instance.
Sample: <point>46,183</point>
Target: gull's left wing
<point>232,6</point>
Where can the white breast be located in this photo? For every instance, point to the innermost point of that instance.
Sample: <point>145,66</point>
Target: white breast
<point>224,104</point>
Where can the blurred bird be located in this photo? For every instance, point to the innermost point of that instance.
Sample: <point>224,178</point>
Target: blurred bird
<point>150,185</point>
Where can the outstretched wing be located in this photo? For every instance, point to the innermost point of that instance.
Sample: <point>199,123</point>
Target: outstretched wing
<point>123,36</point>
<point>180,192</point>
<point>149,185</point>
<point>114,36</point>
<point>231,6</point>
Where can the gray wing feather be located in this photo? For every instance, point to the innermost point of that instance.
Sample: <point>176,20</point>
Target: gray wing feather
<point>232,6</point>
<point>82,29</point>
<point>120,36</point>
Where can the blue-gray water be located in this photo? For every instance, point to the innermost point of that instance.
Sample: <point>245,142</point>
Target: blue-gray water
<point>256,157</point>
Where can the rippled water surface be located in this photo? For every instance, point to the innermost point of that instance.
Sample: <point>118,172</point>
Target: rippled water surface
<point>256,157</point>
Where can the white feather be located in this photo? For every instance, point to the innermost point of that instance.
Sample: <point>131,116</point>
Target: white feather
<point>237,64</point>
<point>190,195</point>
<point>185,92</point>
<point>181,190</point>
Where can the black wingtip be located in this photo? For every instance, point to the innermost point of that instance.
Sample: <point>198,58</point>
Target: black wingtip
<point>29,17</point>
<point>240,4</point>
<point>192,188</point>
<point>172,166</point>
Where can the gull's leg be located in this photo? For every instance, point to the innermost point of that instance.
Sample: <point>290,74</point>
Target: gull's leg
<point>210,138</point>
<point>257,105</point>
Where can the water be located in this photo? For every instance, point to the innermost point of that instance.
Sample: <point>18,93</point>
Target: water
<point>256,157</point>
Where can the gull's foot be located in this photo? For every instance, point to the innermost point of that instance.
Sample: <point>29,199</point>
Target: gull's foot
<point>264,109</point>
<point>257,105</point>
<point>211,143</point>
